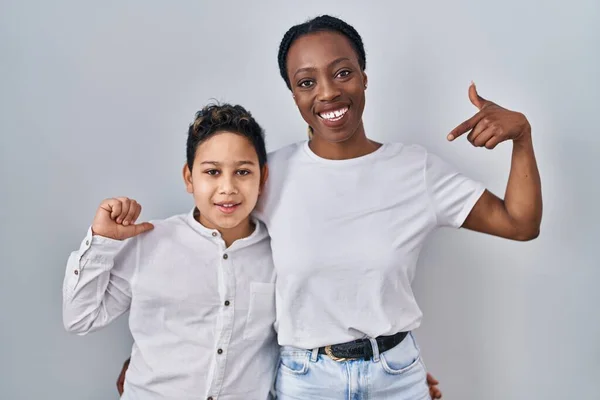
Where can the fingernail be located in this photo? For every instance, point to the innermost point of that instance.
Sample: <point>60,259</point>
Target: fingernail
<point>450,137</point>
<point>119,220</point>
<point>125,222</point>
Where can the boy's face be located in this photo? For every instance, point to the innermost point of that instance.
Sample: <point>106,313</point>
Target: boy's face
<point>225,180</point>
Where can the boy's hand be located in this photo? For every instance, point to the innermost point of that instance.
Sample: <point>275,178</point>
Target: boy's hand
<point>115,219</point>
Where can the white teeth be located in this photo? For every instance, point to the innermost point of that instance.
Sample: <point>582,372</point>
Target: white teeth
<point>334,115</point>
<point>227,205</point>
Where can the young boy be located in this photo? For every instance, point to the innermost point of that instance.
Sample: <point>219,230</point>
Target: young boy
<point>199,286</point>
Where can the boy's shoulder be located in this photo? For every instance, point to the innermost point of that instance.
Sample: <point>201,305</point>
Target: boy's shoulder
<point>172,222</point>
<point>168,228</point>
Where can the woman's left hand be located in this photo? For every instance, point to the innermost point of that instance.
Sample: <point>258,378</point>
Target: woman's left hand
<point>434,391</point>
<point>492,125</point>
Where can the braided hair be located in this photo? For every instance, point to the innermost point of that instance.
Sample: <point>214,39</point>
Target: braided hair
<point>319,24</point>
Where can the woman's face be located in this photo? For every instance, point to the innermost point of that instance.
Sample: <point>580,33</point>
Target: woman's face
<point>328,84</point>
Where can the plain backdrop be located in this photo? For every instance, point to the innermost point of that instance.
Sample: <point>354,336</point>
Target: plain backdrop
<point>96,97</point>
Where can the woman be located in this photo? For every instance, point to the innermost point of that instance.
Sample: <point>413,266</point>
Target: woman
<point>348,217</point>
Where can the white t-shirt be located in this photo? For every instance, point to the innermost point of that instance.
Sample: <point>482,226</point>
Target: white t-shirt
<point>346,235</point>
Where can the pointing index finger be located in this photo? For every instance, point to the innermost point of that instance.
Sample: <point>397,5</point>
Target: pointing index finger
<point>465,126</point>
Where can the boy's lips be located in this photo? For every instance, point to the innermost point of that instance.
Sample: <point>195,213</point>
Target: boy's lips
<point>228,207</point>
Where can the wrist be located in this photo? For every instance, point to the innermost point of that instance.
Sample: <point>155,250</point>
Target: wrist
<point>524,140</point>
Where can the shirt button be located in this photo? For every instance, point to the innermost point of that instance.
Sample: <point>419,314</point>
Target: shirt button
<point>210,398</point>
<point>76,272</point>
<point>87,242</point>
<point>227,303</point>
<point>214,234</point>
<point>225,256</point>
<point>220,351</point>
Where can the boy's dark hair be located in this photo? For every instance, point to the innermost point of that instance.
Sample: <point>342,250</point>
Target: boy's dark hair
<point>215,118</point>
<point>319,24</point>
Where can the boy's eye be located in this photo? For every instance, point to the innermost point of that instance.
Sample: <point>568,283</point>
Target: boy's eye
<point>212,172</point>
<point>243,172</point>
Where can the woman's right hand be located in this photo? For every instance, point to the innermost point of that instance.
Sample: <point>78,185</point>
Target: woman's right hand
<point>116,217</point>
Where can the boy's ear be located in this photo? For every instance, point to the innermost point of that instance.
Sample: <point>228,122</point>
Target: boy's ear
<point>187,179</point>
<point>264,175</point>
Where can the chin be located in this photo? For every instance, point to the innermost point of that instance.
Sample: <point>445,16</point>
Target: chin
<point>337,137</point>
<point>338,134</point>
<point>227,223</point>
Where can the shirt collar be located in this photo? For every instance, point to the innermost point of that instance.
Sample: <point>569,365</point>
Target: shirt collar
<point>260,231</point>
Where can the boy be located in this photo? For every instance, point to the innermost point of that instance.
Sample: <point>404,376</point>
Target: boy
<point>199,286</point>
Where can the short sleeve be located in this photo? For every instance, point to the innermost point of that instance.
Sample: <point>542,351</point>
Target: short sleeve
<point>452,194</point>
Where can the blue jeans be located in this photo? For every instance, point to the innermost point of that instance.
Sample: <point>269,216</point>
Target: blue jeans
<point>397,374</point>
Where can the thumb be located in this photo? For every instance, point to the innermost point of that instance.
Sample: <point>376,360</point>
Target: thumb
<point>143,227</point>
<point>475,98</point>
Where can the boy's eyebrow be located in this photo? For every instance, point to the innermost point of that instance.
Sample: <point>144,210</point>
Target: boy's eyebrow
<point>243,162</point>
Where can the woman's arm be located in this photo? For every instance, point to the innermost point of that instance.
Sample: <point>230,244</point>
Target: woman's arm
<point>519,215</point>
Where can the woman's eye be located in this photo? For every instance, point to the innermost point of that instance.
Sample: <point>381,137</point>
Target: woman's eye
<point>306,84</point>
<point>243,172</point>
<point>212,172</point>
<point>344,73</point>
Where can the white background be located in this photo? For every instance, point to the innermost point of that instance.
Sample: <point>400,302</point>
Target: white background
<point>95,99</point>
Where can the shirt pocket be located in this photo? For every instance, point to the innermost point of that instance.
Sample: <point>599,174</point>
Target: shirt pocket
<point>261,311</point>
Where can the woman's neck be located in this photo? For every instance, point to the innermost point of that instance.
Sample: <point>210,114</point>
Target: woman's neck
<point>357,145</point>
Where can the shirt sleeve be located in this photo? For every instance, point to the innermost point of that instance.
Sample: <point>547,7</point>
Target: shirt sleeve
<point>97,283</point>
<point>452,194</point>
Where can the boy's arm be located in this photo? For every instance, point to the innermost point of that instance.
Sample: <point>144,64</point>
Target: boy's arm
<point>96,288</point>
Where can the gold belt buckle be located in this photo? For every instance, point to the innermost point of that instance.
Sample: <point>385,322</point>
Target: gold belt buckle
<point>334,358</point>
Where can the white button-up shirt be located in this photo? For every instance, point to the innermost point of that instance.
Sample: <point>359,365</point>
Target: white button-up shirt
<point>201,315</point>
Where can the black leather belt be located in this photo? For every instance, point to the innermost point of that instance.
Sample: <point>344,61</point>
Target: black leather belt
<point>361,348</point>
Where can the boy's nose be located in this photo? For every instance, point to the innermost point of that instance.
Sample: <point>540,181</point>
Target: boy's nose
<point>228,186</point>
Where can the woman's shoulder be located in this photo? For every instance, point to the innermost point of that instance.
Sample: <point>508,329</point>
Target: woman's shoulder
<point>284,153</point>
<point>406,152</point>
